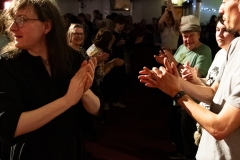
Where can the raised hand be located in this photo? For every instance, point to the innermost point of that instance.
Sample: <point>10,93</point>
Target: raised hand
<point>139,40</point>
<point>159,58</point>
<point>170,3</point>
<point>77,84</point>
<point>117,62</point>
<point>121,42</point>
<point>92,63</point>
<point>102,57</point>
<point>165,78</point>
<point>190,74</point>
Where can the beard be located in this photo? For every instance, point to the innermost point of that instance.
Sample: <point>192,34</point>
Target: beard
<point>229,28</point>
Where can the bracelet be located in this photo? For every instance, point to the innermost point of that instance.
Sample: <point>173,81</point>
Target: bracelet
<point>178,65</point>
<point>178,95</point>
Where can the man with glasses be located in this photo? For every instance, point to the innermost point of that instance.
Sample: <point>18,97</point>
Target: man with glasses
<point>221,135</point>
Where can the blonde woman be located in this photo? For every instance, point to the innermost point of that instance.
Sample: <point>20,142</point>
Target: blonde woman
<point>76,37</point>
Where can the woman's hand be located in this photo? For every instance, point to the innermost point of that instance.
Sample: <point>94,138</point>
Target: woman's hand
<point>116,62</point>
<point>102,57</point>
<point>92,63</point>
<point>139,40</point>
<point>77,84</point>
<point>170,4</point>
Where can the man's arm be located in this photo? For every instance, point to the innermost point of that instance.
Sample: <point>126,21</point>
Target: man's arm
<point>200,92</point>
<point>167,79</point>
<point>219,125</point>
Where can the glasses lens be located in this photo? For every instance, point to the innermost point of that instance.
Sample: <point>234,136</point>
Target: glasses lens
<point>19,21</point>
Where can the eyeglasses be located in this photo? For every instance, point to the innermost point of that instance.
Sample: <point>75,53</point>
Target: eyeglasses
<point>78,34</point>
<point>19,21</point>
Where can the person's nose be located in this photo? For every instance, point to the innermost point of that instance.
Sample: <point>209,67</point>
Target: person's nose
<point>221,11</point>
<point>221,34</point>
<point>13,27</point>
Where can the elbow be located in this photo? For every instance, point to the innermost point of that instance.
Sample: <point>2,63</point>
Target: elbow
<point>219,135</point>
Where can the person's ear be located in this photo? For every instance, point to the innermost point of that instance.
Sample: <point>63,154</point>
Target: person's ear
<point>48,26</point>
<point>199,35</point>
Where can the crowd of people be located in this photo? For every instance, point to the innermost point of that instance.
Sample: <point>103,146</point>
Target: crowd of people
<point>60,72</point>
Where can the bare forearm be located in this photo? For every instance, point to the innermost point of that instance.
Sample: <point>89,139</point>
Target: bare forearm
<point>198,92</point>
<point>32,120</point>
<point>203,116</point>
<point>162,19</point>
<point>201,81</point>
<point>91,102</point>
<point>175,16</point>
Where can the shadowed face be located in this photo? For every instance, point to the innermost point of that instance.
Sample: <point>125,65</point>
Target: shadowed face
<point>169,20</point>
<point>223,37</point>
<point>120,27</point>
<point>191,39</point>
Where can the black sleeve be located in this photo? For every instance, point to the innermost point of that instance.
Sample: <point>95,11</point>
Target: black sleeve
<point>9,104</point>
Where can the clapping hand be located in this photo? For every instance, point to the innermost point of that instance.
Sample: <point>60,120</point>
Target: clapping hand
<point>165,78</point>
<point>102,57</point>
<point>167,54</point>
<point>91,70</point>
<point>189,74</point>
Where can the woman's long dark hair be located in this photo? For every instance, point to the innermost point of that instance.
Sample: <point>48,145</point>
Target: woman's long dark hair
<point>56,40</point>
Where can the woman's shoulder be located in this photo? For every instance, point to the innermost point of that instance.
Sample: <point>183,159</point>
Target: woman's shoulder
<point>75,55</point>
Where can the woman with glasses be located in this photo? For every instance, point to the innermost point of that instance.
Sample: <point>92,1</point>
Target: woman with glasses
<point>45,86</point>
<point>76,37</point>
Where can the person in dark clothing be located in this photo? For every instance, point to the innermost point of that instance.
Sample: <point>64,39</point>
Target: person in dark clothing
<point>69,18</point>
<point>113,83</point>
<point>95,27</point>
<point>88,34</point>
<point>45,86</point>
